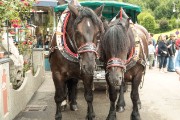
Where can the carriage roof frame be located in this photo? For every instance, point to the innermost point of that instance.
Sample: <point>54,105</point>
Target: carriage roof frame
<point>111,8</point>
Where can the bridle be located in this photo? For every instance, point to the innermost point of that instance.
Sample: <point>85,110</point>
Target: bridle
<point>88,47</point>
<point>117,62</point>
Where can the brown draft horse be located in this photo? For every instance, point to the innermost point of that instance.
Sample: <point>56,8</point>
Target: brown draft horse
<point>83,32</point>
<point>124,55</point>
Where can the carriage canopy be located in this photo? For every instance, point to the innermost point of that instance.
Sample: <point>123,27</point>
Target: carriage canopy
<point>111,8</point>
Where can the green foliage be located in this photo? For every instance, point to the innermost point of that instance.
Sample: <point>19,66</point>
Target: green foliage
<point>164,25</point>
<point>142,15</point>
<point>164,10</point>
<point>152,4</point>
<point>149,23</point>
<point>14,9</point>
<point>173,23</point>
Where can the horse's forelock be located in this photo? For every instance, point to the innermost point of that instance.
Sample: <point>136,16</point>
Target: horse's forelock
<point>115,40</point>
<point>87,12</point>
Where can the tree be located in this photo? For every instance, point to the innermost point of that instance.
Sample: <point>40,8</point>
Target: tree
<point>164,10</point>
<point>152,4</point>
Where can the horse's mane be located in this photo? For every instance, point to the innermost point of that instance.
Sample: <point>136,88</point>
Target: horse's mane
<point>115,39</point>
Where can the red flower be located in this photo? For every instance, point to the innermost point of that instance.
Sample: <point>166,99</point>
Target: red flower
<point>1,2</point>
<point>15,25</point>
<point>24,43</point>
<point>30,43</point>
<point>26,3</point>
<point>12,32</point>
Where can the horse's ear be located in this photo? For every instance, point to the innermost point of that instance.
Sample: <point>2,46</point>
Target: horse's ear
<point>99,10</point>
<point>124,15</point>
<point>73,9</point>
<point>127,23</point>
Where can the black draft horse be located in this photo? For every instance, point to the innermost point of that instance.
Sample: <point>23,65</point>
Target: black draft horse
<point>124,50</point>
<point>83,32</point>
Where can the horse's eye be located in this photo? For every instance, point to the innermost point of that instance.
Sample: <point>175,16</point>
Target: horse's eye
<point>98,36</point>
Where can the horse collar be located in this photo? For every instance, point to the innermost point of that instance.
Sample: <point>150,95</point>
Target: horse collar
<point>61,38</point>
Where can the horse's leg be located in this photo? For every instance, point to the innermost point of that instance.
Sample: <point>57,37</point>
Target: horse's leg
<point>72,93</point>
<point>139,103</point>
<point>60,95</point>
<point>121,102</point>
<point>112,97</point>
<point>135,115</point>
<point>88,94</point>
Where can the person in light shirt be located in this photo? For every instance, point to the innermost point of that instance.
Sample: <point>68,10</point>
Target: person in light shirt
<point>151,50</point>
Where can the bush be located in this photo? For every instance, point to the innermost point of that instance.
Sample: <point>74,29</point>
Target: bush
<point>173,23</point>
<point>149,23</point>
<point>164,25</point>
<point>141,16</point>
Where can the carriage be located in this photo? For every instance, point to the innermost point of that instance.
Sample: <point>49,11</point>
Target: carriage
<point>111,8</point>
<point>84,32</point>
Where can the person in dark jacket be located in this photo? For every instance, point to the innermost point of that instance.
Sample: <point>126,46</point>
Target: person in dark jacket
<point>163,52</point>
<point>172,51</point>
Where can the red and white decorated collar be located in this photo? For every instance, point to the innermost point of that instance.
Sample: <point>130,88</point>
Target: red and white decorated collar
<point>61,33</point>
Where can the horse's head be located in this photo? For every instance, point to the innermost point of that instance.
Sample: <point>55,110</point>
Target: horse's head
<point>115,49</point>
<point>87,30</point>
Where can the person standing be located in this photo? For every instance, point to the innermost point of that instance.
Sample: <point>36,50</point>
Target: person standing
<point>151,50</point>
<point>153,40</point>
<point>163,52</point>
<point>177,58</point>
<point>39,41</point>
<point>154,44</point>
<point>172,51</point>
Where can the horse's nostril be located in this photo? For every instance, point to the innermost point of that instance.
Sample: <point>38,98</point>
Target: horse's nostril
<point>84,66</point>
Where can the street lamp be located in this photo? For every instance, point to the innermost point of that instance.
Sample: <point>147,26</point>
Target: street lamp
<point>175,10</point>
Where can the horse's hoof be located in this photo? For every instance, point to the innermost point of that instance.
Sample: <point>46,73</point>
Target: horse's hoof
<point>73,107</point>
<point>58,117</point>
<point>63,108</point>
<point>135,117</point>
<point>90,117</point>
<point>120,109</point>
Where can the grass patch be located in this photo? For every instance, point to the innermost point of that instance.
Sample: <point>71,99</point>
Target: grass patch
<point>167,33</point>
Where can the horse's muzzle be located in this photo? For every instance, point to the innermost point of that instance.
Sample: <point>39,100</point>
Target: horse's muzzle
<point>88,70</point>
<point>115,80</point>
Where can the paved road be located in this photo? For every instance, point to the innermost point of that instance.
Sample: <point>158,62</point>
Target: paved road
<point>160,97</point>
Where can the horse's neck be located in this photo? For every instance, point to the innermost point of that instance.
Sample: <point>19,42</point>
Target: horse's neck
<point>69,33</point>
